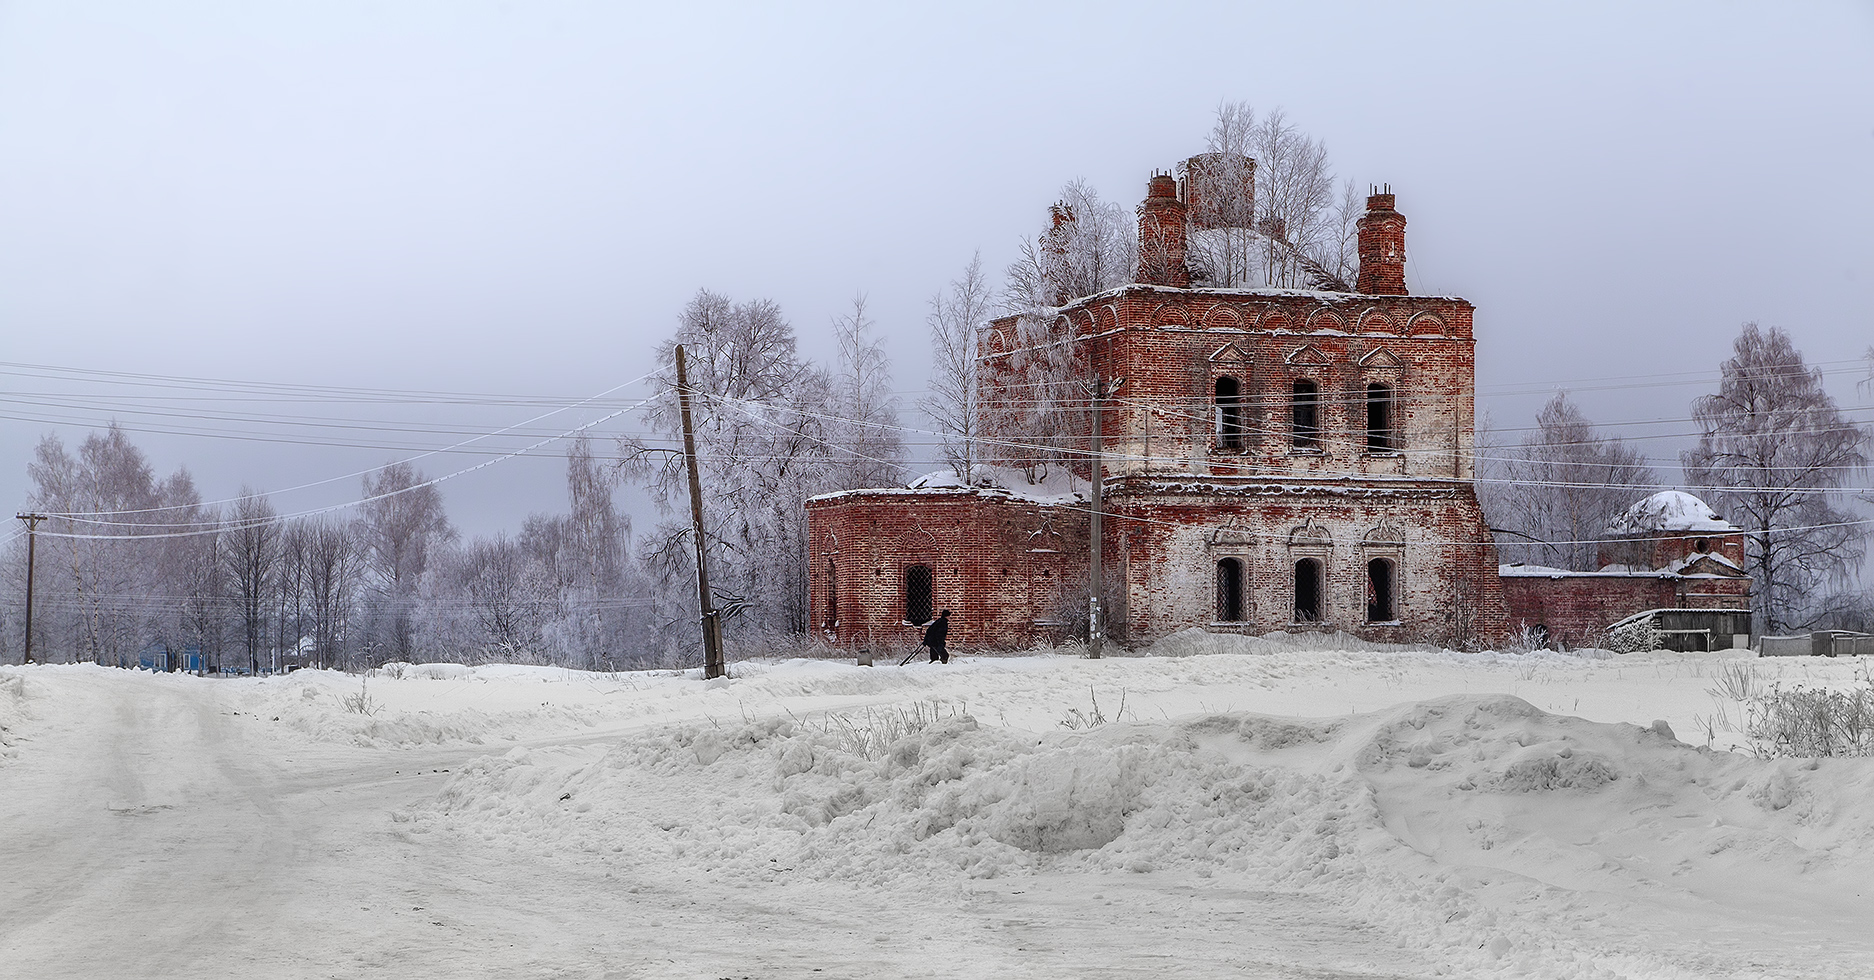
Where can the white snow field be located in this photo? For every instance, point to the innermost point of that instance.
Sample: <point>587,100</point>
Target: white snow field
<point>1257,808</point>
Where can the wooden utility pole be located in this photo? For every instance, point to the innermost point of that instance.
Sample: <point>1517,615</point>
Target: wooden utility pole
<point>1096,630</point>
<point>712,624</point>
<point>32,539</point>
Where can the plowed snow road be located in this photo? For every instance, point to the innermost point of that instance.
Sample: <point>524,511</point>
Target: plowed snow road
<point>149,828</point>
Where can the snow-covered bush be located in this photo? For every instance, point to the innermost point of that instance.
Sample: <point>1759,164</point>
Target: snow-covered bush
<point>1812,722</point>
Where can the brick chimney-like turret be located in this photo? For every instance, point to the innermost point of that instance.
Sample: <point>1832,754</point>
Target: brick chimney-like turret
<point>1382,247</point>
<point>1161,235</point>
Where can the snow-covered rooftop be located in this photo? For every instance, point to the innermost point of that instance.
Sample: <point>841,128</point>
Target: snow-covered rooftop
<point>1058,487</point>
<point>1671,511</point>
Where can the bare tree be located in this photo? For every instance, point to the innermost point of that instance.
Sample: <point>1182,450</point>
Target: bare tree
<point>1220,187</point>
<point>1773,454</point>
<point>332,572</point>
<point>1558,490</point>
<point>1091,245</point>
<point>867,450</point>
<point>956,319</point>
<point>506,598</point>
<point>251,551</point>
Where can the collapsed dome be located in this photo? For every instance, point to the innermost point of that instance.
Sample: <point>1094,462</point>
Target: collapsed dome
<point>1673,511</point>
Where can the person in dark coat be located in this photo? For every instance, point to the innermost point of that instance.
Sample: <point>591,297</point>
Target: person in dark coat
<point>935,635</point>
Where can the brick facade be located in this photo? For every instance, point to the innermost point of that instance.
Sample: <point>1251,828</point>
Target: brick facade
<point>1575,608</point>
<point>1276,459</point>
<point>1002,565</point>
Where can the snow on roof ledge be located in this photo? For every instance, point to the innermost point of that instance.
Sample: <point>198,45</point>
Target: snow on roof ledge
<point>1058,488</point>
<point>1673,511</point>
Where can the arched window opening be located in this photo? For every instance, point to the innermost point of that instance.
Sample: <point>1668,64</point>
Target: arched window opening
<point>1304,412</point>
<point>832,596</point>
<point>1229,591</point>
<point>1308,590</point>
<point>1379,419</point>
<point>1229,413</point>
<point>917,585</point>
<point>1381,594</point>
<point>1702,546</point>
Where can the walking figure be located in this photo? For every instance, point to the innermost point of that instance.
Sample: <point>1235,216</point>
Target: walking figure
<point>934,635</point>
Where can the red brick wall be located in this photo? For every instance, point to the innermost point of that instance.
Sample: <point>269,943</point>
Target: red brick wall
<point>1578,608</point>
<point>1174,533</point>
<point>998,564</point>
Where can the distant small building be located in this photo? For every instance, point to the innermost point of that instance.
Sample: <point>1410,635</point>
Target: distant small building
<point>1670,556</point>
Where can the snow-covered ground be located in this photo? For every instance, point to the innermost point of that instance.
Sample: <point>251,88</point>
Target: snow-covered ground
<point>1248,807</point>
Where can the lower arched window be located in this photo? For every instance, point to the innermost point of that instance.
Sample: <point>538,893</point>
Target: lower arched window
<point>1382,600</point>
<point>917,588</point>
<point>1230,590</point>
<point>1308,590</point>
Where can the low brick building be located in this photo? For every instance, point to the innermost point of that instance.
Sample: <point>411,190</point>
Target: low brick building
<point>1669,555</point>
<point>1275,459</point>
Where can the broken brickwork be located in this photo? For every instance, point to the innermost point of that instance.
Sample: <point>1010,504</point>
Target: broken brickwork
<point>1276,459</point>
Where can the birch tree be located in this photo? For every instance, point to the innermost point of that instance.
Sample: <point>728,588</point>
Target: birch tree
<point>762,448</point>
<point>1773,455</point>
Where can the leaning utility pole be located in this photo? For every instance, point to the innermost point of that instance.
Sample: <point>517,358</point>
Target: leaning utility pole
<point>32,539</point>
<point>712,625</point>
<point>1096,630</point>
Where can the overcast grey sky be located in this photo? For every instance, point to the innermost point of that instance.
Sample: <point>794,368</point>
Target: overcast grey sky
<point>517,198</point>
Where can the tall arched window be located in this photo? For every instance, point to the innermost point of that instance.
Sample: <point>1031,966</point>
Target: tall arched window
<point>1304,414</point>
<point>1381,591</point>
<point>917,586</point>
<point>1379,419</point>
<point>1308,590</point>
<point>1229,398</point>
<point>832,596</point>
<point>1229,590</point>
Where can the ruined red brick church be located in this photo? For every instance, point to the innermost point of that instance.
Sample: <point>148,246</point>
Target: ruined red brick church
<point>1275,459</point>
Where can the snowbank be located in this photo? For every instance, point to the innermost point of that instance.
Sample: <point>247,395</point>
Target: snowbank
<point>1514,839</point>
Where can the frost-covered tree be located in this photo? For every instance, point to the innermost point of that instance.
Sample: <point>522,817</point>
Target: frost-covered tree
<point>762,447</point>
<point>1090,246</point>
<point>1039,397</point>
<point>108,577</point>
<point>956,319</point>
<point>863,432</point>
<point>589,553</point>
<point>400,525</point>
<point>1773,454</point>
<point>1557,491</point>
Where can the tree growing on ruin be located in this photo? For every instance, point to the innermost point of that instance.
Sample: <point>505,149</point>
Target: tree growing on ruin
<point>1773,455</point>
<point>956,320</point>
<point>867,450</point>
